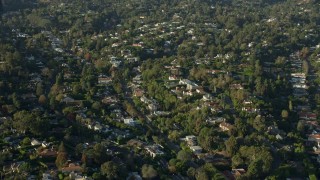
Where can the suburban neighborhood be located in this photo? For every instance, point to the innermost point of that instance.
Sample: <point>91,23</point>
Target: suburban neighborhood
<point>106,89</point>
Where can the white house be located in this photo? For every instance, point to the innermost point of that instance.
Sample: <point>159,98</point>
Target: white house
<point>207,97</point>
<point>190,85</point>
<point>35,142</point>
<point>129,121</point>
<point>152,107</point>
<point>67,100</point>
<point>97,127</point>
<point>196,149</point>
<point>154,151</point>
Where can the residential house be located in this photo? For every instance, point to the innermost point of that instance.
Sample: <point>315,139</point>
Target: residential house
<point>144,99</point>
<point>279,137</point>
<point>236,86</point>
<point>299,92</point>
<point>104,80</point>
<point>224,126</point>
<point>187,93</point>
<point>300,85</point>
<point>200,91</point>
<point>238,172</point>
<point>68,75</point>
<point>129,121</point>
<point>314,138</point>
<point>77,176</point>
<point>136,143</point>
<point>132,59</point>
<point>154,150</point>
<point>115,62</point>
<point>134,176</point>
<point>178,92</point>
<point>207,97</point>
<point>35,142</point>
<point>161,113</point>
<point>68,100</point>
<point>173,78</point>
<point>190,85</point>
<point>138,92</point>
<point>29,97</point>
<point>302,108</point>
<point>137,44</point>
<point>307,115</point>
<point>250,109</point>
<point>274,130</point>
<point>214,106</point>
<point>97,127</point>
<point>214,71</point>
<point>215,120</point>
<point>90,125</point>
<point>45,144</point>
<point>72,168</point>
<point>126,52</point>
<point>48,153</point>
<point>137,79</point>
<point>196,149</point>
<point>191,140</point>
<point>298,75</point>
<point>109,100</point>
<point>312,125</point>
<point>47,176</point>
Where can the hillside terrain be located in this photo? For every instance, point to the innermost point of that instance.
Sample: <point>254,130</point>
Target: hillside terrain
<point>159,89</point>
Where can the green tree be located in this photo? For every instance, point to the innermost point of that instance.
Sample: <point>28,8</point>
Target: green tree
<point>301,127</point>
<point>76,89</point>
<point>39,126</point>
<point>207,138</point>
<point>96,106</point>
<point>242,127</point>
<point>62,156</point>
<point>231,146</point>
<point>79,150</point>
<point>184,155</point>
<point>39,89</point>
<point>99,153</point>
<point>191,172</point>
<point>110,170</point>
<point>148,172</point>
<point>96,176</point>
<point>290,105</point>
<point>53,103</point>
<point>284,114</point>
<point>22,120</point>
<point>304,52</point>
<point>173,135</point>
<point>26,141</point>
<point>254,169</point>
<point>202,175</point>
<point>208,171</point>
<point>254,156</point>
<point>59,79</point>
<point>16,101</point>
<point>257,69</point>
<point>42,99</point>
<point>305,67</point>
